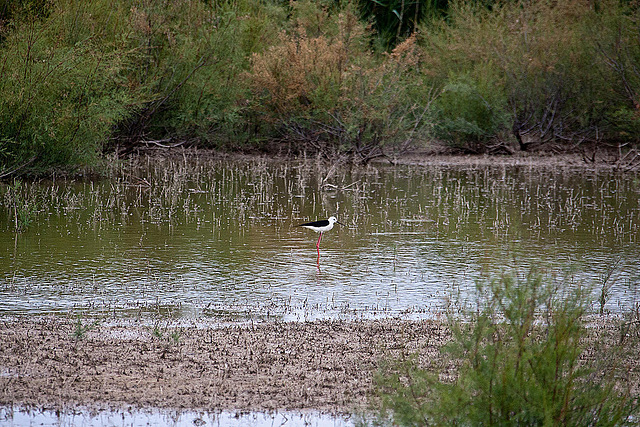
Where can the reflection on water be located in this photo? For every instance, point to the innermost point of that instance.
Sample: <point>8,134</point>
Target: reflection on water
<point>20,417</point>
<point>218,238</point>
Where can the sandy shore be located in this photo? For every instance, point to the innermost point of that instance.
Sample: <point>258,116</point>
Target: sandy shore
<point>325,365</point>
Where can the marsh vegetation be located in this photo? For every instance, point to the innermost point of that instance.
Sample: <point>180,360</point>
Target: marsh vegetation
<point>347,80</point>
<point>193,260</point>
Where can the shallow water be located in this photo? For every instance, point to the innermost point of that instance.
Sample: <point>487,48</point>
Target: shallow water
<point>217,239</point>
<point>21,417</point>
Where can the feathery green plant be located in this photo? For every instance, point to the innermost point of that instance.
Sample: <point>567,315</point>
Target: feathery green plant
<point>520,362</point>
<point>81,328</point>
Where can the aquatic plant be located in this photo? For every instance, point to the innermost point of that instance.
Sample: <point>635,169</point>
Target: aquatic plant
<point>22,204</point>
<point>607,281</point>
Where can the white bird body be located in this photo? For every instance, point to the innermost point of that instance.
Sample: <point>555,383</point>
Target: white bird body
<point>320,227</point>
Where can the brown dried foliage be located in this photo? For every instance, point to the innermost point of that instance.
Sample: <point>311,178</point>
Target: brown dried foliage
<point>306,68</point>
<point>289,72</point>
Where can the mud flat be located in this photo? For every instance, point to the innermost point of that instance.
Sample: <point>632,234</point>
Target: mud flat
<point>325,366</point>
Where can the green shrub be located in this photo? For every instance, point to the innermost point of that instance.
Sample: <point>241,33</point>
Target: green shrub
<point>617,54</point>
<point>521,361</point>
<point>97,74</point>
<point>190,56</point>
<point>468,113</point>
<point>81,78</point>
<point>61,90</point>
<point>542,59</point>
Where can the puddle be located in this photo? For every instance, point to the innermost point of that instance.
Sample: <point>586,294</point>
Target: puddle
<point>73,418</point>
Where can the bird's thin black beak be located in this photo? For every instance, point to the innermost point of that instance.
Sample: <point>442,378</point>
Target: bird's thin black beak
<point>338,222</point>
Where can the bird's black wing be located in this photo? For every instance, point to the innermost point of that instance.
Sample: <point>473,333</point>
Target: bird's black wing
<point>321,223</point>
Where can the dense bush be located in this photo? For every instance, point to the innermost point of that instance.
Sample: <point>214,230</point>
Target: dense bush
<point>617,50</point>
<point>79,78</point>
<point>190,58</point>
<point>62,87</point>
<point>522,361</point>
<point>470,114</point>
<point>552,77</point>
<point>93,75</point>
<point>322,91</point>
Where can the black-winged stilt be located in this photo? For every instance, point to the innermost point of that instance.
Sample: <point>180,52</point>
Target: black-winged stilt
<point>320,227</point>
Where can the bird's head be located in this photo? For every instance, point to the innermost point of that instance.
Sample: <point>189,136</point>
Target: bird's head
<point>333,220</point>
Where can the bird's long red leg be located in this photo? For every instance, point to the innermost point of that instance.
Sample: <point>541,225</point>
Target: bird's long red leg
<point>318,248</point>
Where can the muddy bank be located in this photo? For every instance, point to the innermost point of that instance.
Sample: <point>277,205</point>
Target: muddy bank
<point>604,160</point>
<point>324,365</point>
